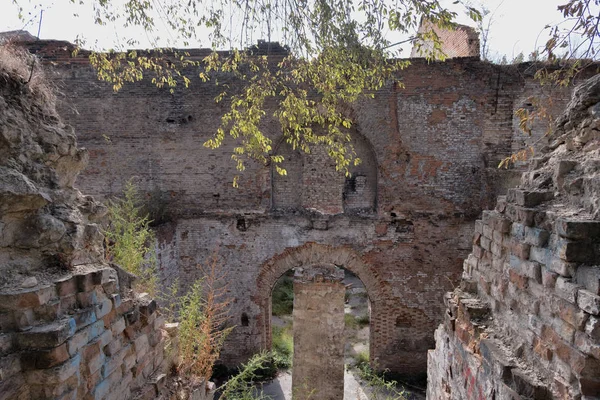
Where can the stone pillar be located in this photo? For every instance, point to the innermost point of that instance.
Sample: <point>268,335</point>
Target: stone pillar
<point>318,369</point>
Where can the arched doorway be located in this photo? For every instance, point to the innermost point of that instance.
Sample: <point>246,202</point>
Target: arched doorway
<point>381,327</point>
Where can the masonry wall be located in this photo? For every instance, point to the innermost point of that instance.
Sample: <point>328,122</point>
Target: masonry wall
<point>430,153</point>
<point>70,328</point>
<point>525,321</point>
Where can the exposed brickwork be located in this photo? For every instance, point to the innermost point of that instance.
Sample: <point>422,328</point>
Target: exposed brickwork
<point>429,152</point>
<point>460,42</point>
<point>79,342</point>
<point>66,332</point>
<point>522,324</point>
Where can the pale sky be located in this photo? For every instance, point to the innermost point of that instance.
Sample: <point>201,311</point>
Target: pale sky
<point>518,25</point>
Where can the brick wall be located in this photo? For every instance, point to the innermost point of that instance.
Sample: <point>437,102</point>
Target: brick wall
<point>77,338</point>
<point>525,321</point>
<point>463,41</point>
<point>429,151</point>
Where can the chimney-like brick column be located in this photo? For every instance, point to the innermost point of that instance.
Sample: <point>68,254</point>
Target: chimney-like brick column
<point>318,371</point>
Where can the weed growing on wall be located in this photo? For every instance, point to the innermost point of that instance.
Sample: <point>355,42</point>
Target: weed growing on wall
<point>130,240</point>
<point>203,315</point>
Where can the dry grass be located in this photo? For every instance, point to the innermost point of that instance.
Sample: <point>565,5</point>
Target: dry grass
<point>22,70</point>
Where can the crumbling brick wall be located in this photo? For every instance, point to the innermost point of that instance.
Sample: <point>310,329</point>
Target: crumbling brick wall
<point>525,321</point>
<point>69,328</point>
<point>429,149</point>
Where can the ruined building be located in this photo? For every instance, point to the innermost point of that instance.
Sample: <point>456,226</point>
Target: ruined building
<point>69,326</point>
<point>525,322</point>
<point>403,223</point>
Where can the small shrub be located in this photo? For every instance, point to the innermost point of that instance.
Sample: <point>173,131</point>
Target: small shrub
<point>130,241</point>
<point>203,314</point>
<point>241,386</point>
<point>381,388</point>
<point>283,297</point>
<point>362,358</point>
<point>363,321</point>
<point>350,321</point>
<point>282,347</point>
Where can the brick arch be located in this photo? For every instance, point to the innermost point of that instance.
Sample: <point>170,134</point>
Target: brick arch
<point>313,253</point>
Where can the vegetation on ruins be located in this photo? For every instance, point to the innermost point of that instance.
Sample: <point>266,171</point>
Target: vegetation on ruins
<point>282,347</point>
<point>130,241</point>
<point>203,316</point>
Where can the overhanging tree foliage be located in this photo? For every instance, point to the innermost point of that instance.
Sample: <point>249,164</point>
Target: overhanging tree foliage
<point>338,51</point>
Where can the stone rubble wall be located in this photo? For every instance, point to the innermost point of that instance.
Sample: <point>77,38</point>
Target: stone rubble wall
<point>525,322</point>
<point>69,326</point>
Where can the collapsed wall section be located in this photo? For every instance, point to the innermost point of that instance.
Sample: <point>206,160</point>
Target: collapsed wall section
<point>525,322</point>
<point>69,326</point>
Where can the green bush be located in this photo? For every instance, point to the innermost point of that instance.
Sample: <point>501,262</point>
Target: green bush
<point>350,321</point>
<point>381,388</point>
<point>362,358</point>
<point>282,347</point>
<point>283,296</point>
<point>130,241</point>
<point>363,321</point>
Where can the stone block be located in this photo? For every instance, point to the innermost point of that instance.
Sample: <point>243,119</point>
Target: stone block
<point>592,328</point>
<point>105,338</point>
<point>496,249</point>
<point>564,330</point>
<point>485,243</point>
<point>575,252</point>
<point>101,390</point>
<point>172,328</point>
<point>562,267</point>
<point>42,359</point>
<point>570,313</point>
<point>584,230</point>
<point>125,307</point>
<point>116,299</point>
<point>113,364</point>
<point>118,326</point>
<point>588,302</point>
<point>566,289</point>
<point>85,282</point>
<point>142,346</point>
<point>57,374</point>
<point>110,287</point>
<point>499,360</point>
<point>30,298</point>
<point>10,365</point>
<point>66,286</point>
<point>23,320</point>
<point>93,357</point>
<point>87,299</point>
<point>536,236</point>
<point>528,386</point>
<point>113,347</point>
<point>84,318</point>
<point>589,277</point>
<point>526,198</point>
<point>541,255</point>
<point>47,336</point>
<point>103,307</point>
<point>587,346</point>
<point>6,343</point>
